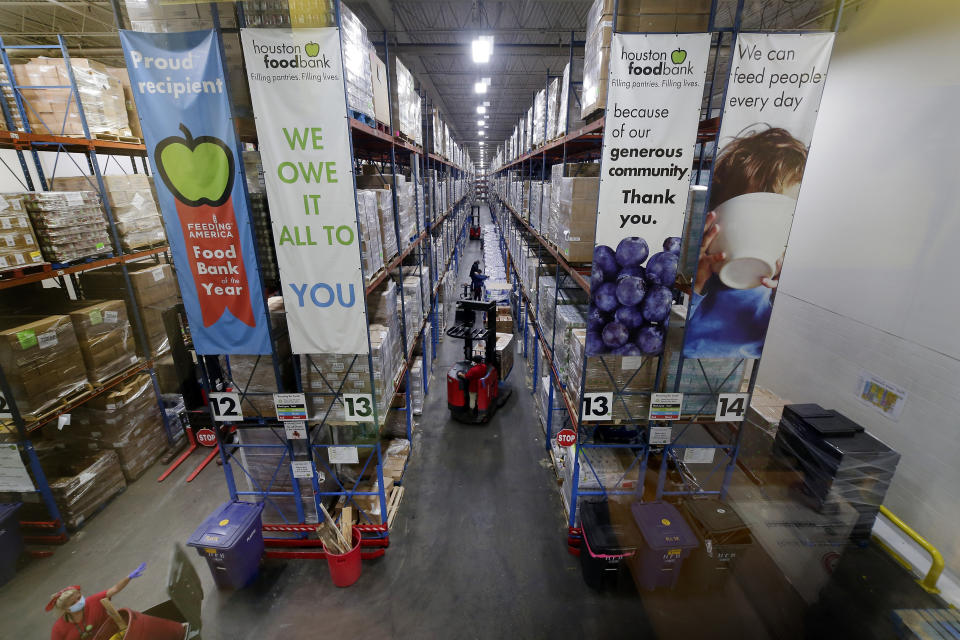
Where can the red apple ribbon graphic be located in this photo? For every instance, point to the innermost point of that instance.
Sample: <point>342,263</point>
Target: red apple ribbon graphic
<point>199,173</point>
<point>211,232</point>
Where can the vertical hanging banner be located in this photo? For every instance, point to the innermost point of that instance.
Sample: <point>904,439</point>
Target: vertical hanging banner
<point>177,82</point>
<point>653,110</point>
<point>772,99</point>
<point>296,83</point>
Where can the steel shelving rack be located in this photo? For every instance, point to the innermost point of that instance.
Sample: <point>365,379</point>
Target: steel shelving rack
<point>29,141</point>
<point>696,429</point>
<point>294,503</point>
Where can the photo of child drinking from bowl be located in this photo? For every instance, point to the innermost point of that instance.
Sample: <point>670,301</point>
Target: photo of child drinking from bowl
<point>727,318</point>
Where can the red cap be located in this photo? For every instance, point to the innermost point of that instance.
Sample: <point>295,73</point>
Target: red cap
<point>56,596</point>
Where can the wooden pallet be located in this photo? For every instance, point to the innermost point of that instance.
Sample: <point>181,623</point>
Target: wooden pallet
<point>49,412</point>
<point>393,505</point>
<point>927,624</point>
<point>593,117</point>
<point>20,271</point>
<point>110,137</point>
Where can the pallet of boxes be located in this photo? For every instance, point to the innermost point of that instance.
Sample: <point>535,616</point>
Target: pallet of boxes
<point>54,111</point>
<point>133,203</point>
<point>154,290</point>
<point>19,248</point>
<point>633,16</point>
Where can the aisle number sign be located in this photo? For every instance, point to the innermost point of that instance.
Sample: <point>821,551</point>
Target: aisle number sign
<point>226,407</point>
<point>598,406</point>
<point>732,407</point>
<point>297,88</point>
<point>358,407</point>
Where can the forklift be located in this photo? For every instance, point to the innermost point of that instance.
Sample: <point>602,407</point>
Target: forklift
<point>475,222</point>
<point>491,394</point>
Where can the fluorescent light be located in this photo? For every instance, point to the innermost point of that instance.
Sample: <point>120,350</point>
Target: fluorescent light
<point>479,87</point>
<point>480,133</point>
<point>482,49</point>
<point>481,109</point>
<point>480,123</point>
<point>481,143</point>
<point>486,103</point>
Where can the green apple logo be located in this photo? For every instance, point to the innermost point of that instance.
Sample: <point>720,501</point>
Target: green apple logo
<point>312,49</point>
<point>197,171</point>
<point>678,56</point>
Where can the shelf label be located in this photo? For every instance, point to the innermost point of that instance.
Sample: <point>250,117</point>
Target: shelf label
<point>358,407</point>
<point>665,406</point>
<point>343,455</point>
<point>226,407</point>
<point>731,407</point>
<point>295,429</point>
<point>698,455</point>
<point>598,406</point>
<point>302,468</point>
<point>660,435</point>
<point>290,406</point>
<point>180,92</point>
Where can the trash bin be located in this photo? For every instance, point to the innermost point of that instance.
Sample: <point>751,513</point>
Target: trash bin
<point>667,540</point>
<point>605,544</point>
<point>345,568</point>
<point>232,542</point>
<point>724,538</point>
<point>11,543</point>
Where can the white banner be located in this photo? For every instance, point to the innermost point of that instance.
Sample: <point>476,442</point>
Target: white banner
<point>296,83</point>
<point>773,96</point>
<point>653,109</point>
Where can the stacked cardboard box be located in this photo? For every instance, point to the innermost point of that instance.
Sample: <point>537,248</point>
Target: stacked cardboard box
<point>133,205</point>
<point>539,118</point>
<point>573,212</point>
<point>81,483</point>
<point>18,244</point>
<point>381,93</point>
<point>371,245</point>
<point>41,359</point>
<point>266,468</point>
<point>416,386</point>
<point>263,236</point>
<point>105,337</point>
<point>395,459</point>
<point>254,376</point>
<point>356,63</point>
<point>407,212</point>
<point>412,307</point>
<point>127,420</point>
<point>154,288</point>
<point>291,13</point>
<point>629,377</point>
<point>6,89</point>
<point>647,16</point>
<point>54,110</point>
<point>406,102</point>
<point>68,224</point>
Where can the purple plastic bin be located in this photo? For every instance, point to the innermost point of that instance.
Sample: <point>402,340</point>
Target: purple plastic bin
<point>231,539</point>
<point>667,540</point>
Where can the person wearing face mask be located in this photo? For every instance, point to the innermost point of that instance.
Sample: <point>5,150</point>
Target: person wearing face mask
<point>81,617</point>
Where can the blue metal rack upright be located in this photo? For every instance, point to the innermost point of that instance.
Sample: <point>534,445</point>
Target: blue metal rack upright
<point>20,136</point>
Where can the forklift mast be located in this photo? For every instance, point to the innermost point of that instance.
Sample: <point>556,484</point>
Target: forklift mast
<point>465,319</point>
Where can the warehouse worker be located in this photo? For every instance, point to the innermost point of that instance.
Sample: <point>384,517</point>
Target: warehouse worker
<point>473,376</point>
<point>476,280</point>
<point>81,617</point>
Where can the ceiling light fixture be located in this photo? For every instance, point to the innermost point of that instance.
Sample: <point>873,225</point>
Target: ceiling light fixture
<point>480,123</point>
<point>481,109</point>
<point>482,49</point>
<point>480,133</point>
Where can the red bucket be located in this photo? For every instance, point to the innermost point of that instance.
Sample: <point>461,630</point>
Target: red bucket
<point>345,567</point>
<point>142,627</point>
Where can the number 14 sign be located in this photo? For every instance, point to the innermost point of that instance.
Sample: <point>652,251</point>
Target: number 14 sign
<point>731,407</point>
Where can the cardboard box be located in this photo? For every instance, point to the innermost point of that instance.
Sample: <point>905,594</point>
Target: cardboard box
<point>41,359</point>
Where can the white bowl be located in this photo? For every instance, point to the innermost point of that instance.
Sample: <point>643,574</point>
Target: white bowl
<point>753,233</point>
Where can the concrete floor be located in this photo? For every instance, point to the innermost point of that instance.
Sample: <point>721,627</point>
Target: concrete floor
<point>478,550</point>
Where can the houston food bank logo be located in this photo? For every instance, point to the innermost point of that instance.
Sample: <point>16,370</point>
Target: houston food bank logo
<point>292,56</point>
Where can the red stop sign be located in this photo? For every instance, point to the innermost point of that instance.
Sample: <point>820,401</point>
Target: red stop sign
<point>566,437</point>
<point>207,437</point>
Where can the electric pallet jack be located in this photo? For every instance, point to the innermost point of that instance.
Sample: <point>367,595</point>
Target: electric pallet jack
<point>491,393</point>
<point>475,222</point>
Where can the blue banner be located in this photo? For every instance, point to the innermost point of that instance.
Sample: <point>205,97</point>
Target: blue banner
<point>184,109</point>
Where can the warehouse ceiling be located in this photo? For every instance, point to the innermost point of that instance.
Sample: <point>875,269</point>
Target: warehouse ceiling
<point>531,40</point>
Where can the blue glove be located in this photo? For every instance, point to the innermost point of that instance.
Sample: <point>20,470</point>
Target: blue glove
<point>138,571</point>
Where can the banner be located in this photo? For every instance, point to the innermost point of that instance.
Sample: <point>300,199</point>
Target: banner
<point>653,109</point>
<point>296,83</point>
<point>177,82</point>
<point>772,100</point>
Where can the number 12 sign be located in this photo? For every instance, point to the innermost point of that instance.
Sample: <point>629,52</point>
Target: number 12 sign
<point>226,407</point>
